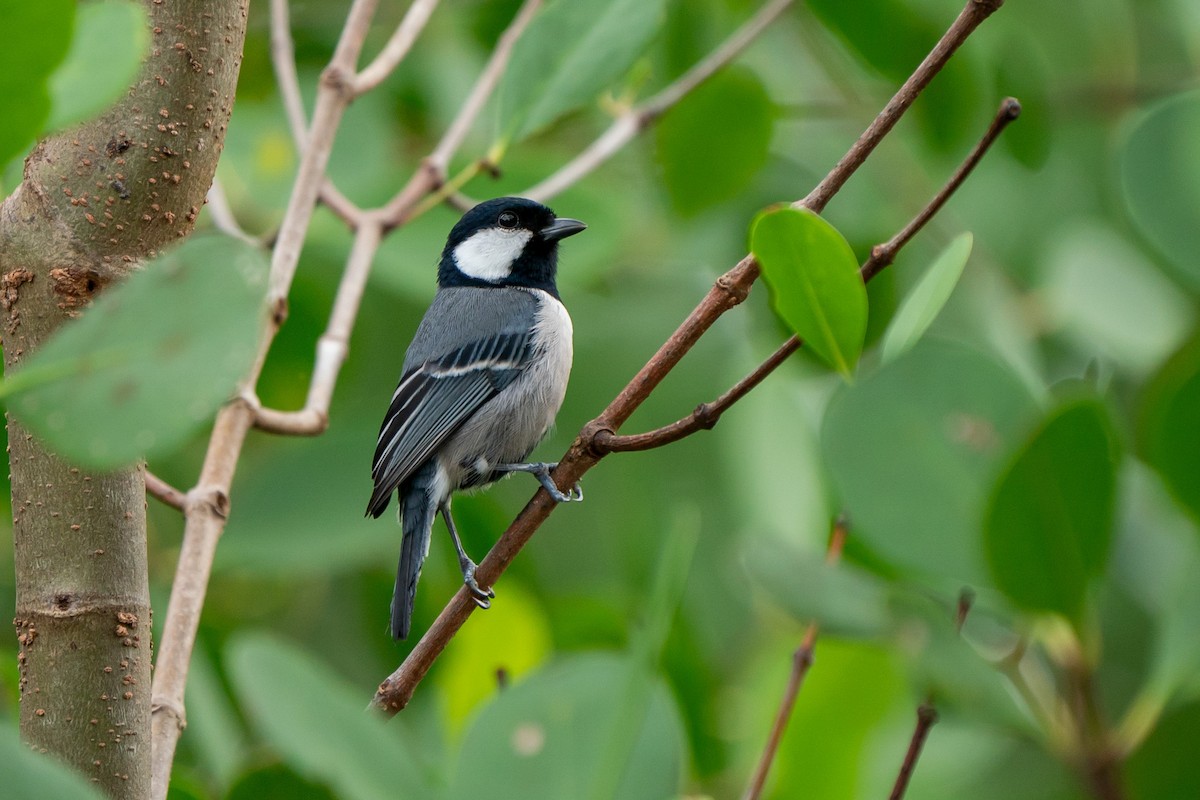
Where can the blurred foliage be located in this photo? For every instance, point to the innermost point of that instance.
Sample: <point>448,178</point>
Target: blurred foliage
<point>1077,308</point>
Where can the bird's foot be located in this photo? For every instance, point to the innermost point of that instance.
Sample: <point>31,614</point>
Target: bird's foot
<point>481,596</point>
<point>541,470</point>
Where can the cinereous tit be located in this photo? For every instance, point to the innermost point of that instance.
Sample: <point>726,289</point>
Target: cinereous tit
<point>481,384</point>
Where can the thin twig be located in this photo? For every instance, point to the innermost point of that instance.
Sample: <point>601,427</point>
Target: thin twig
<point>632,122</point>
<point>975,12</point>
<point>927,715</point>
<point>397,46</point>
<point>222,215</point>
<point>882,255</point>
<point>208,502</point>
<point>432,173</point>
<point>729,290</point>
<point>802,661</point>
<point>283,62</point>
<point>334,344</point>
<point>164,492</point>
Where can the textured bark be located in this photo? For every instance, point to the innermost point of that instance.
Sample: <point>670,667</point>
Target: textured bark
<point>95,202</point>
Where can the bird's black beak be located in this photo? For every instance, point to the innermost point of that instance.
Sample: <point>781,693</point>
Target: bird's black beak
<point>561,228</point>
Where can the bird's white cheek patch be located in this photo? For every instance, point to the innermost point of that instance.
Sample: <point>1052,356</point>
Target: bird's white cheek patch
<point>489,255</point>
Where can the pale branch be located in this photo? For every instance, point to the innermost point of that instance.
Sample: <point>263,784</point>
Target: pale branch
<point>927,716</point>
<point>222,215</point>
<point>729,290</point>
<point>802,661</point>
<point>432,174</point>
<point>706,415</point>
<point>334,344</point>
<point>208,501</point>
<point>635,120</point>
<point>971,17</point>
<point>283,63</point>
<point>884,254</point>
<point>397,47</point>
<point>164,492</point>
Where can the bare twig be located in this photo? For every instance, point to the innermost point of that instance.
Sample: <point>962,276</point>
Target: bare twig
<point>883,255</point>
<point>397,46</point>
<point>706,415</point>
<point>971,17</point>
<point>164,492</point>
<point>209,500</point>
<point>222,215</point>
<point>926,717</point>
<point>432,174</point>
<point>802,660</point>
<point>728,291</point>
<point>632,122</point>
<point>334,344</point>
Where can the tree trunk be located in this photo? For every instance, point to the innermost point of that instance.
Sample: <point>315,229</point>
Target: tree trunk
<point>95,201</point>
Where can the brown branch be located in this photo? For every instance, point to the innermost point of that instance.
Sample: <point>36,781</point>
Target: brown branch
<point>706,415</point>
<point>883,255</point>
<point>802,660</point>
<point>728,291</point>
<point>927,715</point>
<point>164,492</point>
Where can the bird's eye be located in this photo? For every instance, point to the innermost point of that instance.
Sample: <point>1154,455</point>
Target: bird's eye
<point>507,219</point>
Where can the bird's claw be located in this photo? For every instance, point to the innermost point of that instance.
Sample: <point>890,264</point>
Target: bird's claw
<point>480,595</point>
<point>574,494</point>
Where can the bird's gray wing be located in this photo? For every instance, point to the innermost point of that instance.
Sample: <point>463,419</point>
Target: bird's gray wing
<point>436,397</point>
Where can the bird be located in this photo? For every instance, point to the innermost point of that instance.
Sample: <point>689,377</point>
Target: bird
<point>481,383</point>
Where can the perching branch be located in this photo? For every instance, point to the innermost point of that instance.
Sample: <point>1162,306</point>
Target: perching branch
<point>728,291</point>
<point>706,415</point>
<point>802,661</point>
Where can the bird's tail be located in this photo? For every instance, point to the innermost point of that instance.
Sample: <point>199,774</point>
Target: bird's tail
<point>417,508</point>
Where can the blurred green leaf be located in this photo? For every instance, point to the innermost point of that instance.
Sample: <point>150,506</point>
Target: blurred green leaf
<point>30,774</point>
<point>913,449</point>
<point>317,724</point>
<point>515,638</point>
<point>842,599</point>
<point>1165,767</point>
<point>150,360</point>
<point>571,52</point>
<point>36,37</point>
<point>1160,178</point>
<point>277,782</point>
<point>214,730</point>
<point>922,305</point>
<point>708,152</point>
<point>1048,527</point>
<point>1169,424</point>
<point>110,40</point>
<point>814,280</point>
<point>1025,74</point>
<point>547,735</point>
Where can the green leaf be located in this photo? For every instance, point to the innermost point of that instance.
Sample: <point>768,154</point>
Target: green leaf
<point>30,774</point>
<point>1160,179</point>
<point>1169,425</point>
<point>1048,528</point>
<point>922,305</point>
<point>110,40</point>
<point>814,280</point>
<point>844,600</point>
<point>913,449</point>
<point>571,52</point>
<point>551,735</point>
<point>316,723</point>
<point>708,154</point>
<point>36,38</point>
<point>149,361</point>
<point>277,782</point>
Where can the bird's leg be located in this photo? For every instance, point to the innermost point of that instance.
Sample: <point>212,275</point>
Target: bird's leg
<point>541,470</point>
<point>481,596</point>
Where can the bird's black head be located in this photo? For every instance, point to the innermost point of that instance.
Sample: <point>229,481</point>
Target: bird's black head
<point>509,241</point>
